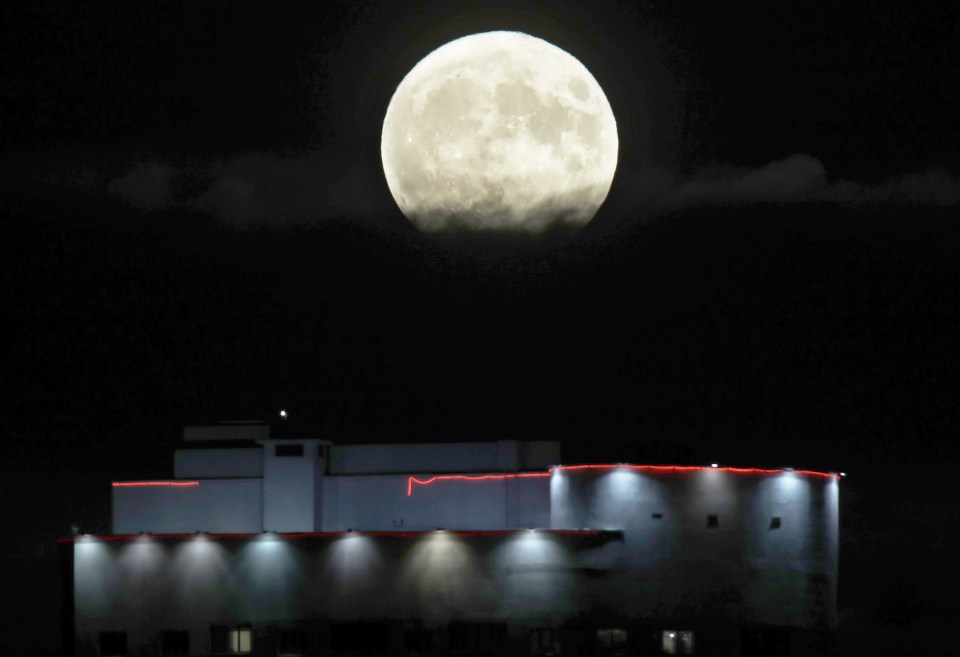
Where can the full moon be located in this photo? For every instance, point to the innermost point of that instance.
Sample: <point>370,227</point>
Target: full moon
<point>499,132</point>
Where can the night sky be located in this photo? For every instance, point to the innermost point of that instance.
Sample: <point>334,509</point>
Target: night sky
<point>196,227</point>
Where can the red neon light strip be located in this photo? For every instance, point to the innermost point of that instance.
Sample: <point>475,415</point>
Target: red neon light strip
<point>423,482</point>
<point>410,534</point>
<point>148,484</point>
<point>690,468</point>
<point>650,468</point>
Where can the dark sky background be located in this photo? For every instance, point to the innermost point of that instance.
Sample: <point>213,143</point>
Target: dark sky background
<point>195,227</point>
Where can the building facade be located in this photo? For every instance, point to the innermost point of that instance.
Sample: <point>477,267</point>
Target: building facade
<point>266,546</point>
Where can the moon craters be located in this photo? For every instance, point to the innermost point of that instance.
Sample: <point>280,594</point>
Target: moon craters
<point>579,89</point>
<point>499,131</point>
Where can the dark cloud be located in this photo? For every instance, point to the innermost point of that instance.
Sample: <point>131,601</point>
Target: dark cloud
<point>265,188</point>
<point>250,189</point>
<point>146,186</point>
<point>933,188</point>
<point>796,177</point>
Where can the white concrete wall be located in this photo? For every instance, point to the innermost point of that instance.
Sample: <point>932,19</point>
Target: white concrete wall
<point>214,506</point>
<point>376,502</point>
<point>289,487</point>
<point>743,569</point>
<point>212,463</point>
<point>417,457</point>
<point>145,585</point>
<point>293,493</point>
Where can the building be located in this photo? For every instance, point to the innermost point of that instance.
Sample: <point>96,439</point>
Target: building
<point>269,546</point>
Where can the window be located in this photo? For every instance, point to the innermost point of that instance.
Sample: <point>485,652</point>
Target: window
<point>241,639</point>
<point>227,640</point>
<point>713,522</point>
<point>174,643</point>
<point>677,642</point>
<point>112,644</point>
<point>775,522</point>
<point>492,637</point>
<point>459,635</point>
<point>359,636</point>
<point>288,450</point>
<point>417,640</point>
<point>545,642</point>
<point>657,516</point>
<point>612,639</point>
<point>755,642</point>
<point>291,643</point>
<point>487,638</point>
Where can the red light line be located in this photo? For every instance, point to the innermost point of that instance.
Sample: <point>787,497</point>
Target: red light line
<point>423,482</point>
<point>691,468</point>
<point>151,484</point>
<point>649,468</point>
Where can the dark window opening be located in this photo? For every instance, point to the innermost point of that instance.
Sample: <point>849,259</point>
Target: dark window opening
<point>459,635</point>
<point>219,639</point>
<point>291,642</point>
<point>364,636</point>
<point>545,641</point>
<point>175,643</point>
<point>487,638</point>
<point>755,642</point>
<point>492,637</point>
<point>417,640</point>
<point>112,644</point>
<point>657,516</point>
<point>713,521</point>
<point>775,522</point>
<point>288,450</point>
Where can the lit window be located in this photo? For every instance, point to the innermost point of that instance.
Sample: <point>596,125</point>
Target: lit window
<point>112,644</point>
<point>226,640</point>
<point>175,643</point>
<point>677,642</point>
<point>292,643</point>
<point>241,639</point>
<point>544,642</point>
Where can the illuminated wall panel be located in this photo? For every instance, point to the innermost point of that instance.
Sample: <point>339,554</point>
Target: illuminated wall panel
<point>212,505</point>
